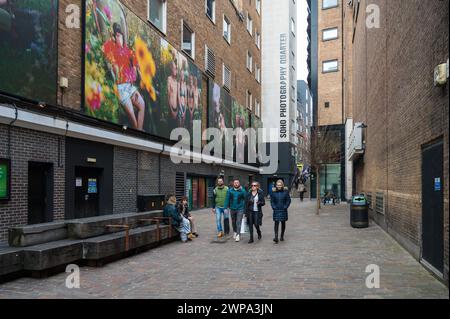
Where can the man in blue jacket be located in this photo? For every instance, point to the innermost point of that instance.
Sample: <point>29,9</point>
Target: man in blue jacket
<point>235,201</point>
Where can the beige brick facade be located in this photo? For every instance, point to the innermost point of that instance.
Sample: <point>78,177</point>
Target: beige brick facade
<point>330,85</point>
<point>394,95</point>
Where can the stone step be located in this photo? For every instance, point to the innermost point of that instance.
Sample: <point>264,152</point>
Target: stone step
<point>30,235</point>
<point>51,255</point>
<point>11,260</point>
<point>96,226</point>
<point>101,247</point>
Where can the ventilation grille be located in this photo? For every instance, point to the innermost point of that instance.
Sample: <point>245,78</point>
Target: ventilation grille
<point>379,203</point>
<point>369,200</point>
<point>226,78</point>
<point>210,62</point>
<point>179,185</point>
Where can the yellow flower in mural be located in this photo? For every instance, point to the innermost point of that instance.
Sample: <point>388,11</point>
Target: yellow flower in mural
<point>147,66</point>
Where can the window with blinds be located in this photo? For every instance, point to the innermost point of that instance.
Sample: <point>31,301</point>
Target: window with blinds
<point>226,78</point>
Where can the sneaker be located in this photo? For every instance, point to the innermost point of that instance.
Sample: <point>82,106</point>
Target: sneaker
<point>238,238</point>
<point>235,235</point>
<point>220,235</point>
<point>251,241</point>
<point>275,240</point>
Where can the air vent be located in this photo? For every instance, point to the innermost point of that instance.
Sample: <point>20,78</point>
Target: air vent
<point>369,200</point>
<point>226,78</point>
<point>179,185</point>
<point>210,63</point>
<point>379,203</point>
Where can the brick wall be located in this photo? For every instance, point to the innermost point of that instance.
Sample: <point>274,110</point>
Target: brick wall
<point>27,145</point>
<point>206,33</point>
<point>330,84</point>
<point>393,93</point>
<point>124,180</point>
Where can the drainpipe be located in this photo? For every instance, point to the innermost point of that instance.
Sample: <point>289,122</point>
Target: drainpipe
<point>9,129</point>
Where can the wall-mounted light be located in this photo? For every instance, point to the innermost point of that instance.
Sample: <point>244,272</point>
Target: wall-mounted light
<point>441,74</point>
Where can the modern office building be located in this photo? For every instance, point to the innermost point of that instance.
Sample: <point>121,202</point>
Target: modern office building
<point>279,84</point>
<point>88,102</point>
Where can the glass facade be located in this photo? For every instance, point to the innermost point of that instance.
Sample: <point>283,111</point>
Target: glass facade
<point>330,179</point>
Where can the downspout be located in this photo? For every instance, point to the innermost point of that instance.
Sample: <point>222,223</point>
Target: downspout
<point>9,129</point>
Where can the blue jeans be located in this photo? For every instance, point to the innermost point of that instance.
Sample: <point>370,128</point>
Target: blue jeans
<point>184,228</point>
<point>226,217</point>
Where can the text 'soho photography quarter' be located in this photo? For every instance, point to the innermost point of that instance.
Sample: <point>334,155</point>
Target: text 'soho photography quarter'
<point>224,157</point>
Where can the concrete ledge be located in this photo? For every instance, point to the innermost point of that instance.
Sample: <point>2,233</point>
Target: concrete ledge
<point>96,226</point>
<point>11,260</point>
<point>29,235</point>
<point>50,255</point>
<point>114,244</point>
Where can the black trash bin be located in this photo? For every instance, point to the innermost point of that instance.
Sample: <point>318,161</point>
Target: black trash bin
<point>359,212</point>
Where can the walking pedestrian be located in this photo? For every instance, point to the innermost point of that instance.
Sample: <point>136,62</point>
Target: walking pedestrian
<point>255,202</point>
<point>302,191</point>
<point>180,223</point>
<point>219,195</point>
<point>235,201</point>
<point>280,201</point>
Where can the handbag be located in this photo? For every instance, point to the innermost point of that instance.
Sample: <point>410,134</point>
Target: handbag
<point>244,225</point>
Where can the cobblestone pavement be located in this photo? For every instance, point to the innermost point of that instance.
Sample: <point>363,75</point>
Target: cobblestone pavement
<point>322,257</point>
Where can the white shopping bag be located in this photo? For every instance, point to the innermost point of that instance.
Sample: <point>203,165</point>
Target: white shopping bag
<point>244,225</point>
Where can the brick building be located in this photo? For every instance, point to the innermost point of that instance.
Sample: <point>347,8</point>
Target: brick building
<point>399,145</point>
<point>66,159</point>
<point>327,65</point>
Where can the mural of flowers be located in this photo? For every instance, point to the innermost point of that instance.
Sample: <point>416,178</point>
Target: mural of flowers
<point>129,77</point>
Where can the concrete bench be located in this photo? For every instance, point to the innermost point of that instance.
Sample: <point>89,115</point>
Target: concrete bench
<point>105,246</point>
<point>51,255</point>
<point>30,235</point>
<point>11,260</point>
<point>97,226</point>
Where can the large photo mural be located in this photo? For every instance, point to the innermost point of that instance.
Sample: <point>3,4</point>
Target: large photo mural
<point>29,48</point>
<point>135,78</point>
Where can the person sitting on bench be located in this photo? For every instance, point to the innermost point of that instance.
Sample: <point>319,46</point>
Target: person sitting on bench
<point>181,224</point>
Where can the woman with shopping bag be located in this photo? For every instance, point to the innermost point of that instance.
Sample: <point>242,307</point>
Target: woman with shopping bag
<point>255,202</point>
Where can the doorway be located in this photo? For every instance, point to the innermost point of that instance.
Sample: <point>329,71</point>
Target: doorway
<point>433,205</point>
<point>40,193</point>
<point>87,188</point>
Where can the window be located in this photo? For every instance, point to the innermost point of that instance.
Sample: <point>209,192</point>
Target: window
<point>249,24</point>
<point>249,61</point>
<point>327,4</point>
<point>157,13</point>
<point>226,29</point>
<point>258,40</point>
<point>258,6</point>
<point>293,26</point>
<point>257,108</point>
<point>327,105</point>
<point>188,45</point>
<point>330,34</point>
<point>210,8</point>
<point>226,77</point>
<point>249,100</point>
<point>257,73</point>
<point>330,66</point>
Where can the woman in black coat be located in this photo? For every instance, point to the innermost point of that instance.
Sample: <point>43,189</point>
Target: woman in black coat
<point>280,201</point>
<point>254,203</point>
